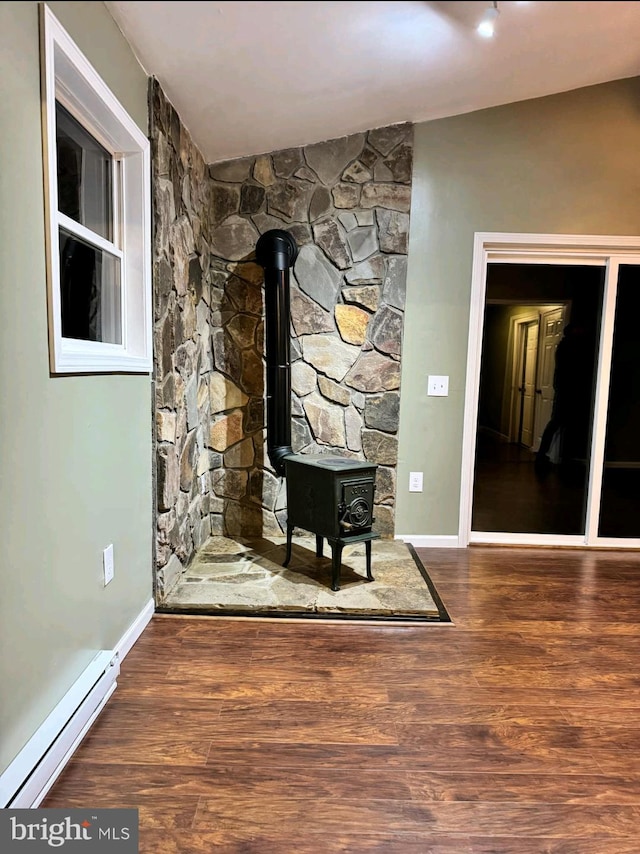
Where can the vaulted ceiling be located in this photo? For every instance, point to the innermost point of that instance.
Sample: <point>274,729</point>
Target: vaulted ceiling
<point>253,77</point>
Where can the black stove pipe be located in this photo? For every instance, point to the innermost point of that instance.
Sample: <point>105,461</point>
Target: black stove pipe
<point>276,252</point>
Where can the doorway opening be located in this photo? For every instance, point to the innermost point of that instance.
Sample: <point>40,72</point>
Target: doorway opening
<point>531,473</point>
<point>552,430</point>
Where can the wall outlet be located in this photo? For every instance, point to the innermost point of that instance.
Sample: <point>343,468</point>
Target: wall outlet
<point>107,564</point>
<point>415,481</point>
<point>438,386</point>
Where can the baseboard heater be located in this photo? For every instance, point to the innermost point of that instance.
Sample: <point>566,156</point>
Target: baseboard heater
<point>29,777</point>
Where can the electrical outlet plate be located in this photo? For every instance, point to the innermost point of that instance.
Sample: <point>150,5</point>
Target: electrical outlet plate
<point>415,481</point>
<point>107,564</point>
<point>438,386</point>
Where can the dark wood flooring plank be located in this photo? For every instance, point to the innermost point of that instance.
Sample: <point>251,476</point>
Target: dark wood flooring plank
<point>217,683</point>
<point>87,779</point>
<point>540,845</point>
<point>296,842</point>
<point>604,714</point>
<point>622,762</point>
<point>391,713</point>
<point>124,747</point>
<point>336,731</point>
<point>570,700</point>
<point>326,815</point>
<point>552,788</point>
<point>348,758</point>
<point>315,816</point>
<point>154,811</point>
<point>562,676</point>
<point>493,736</point>
<point>341,758</point>
<point>536,626</point>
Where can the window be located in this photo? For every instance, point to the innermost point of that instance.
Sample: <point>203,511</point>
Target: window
<point>98,218</point>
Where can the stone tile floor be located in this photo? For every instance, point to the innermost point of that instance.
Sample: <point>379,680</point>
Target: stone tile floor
<point>246,576</point>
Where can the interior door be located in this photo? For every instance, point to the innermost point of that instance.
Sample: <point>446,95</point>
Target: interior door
<point>551,326</point>
<point>528,388</point>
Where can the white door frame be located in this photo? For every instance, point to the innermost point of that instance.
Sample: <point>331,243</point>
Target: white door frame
<point>599,250</point>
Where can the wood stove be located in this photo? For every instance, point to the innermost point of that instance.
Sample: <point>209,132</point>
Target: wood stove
<point>333,498</point>
<point>329,496</point>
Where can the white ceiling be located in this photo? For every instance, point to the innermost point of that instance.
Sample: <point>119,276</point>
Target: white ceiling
<point>255,77</point>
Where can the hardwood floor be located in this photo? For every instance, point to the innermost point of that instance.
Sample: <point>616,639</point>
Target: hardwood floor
<point>515,731</point>
<point>509,495</point>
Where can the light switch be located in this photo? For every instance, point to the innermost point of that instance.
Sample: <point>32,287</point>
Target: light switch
<point>415,481</point>
<point>438,386</point>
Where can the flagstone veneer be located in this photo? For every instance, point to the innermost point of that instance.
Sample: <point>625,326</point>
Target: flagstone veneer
<point>346,202</point>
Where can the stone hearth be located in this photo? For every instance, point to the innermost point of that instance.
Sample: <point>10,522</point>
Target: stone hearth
<point>246,577</point>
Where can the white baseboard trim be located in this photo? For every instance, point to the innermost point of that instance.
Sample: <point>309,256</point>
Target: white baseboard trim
<point>135,630</point>
<point>26,781</point>
<point>427,541</point>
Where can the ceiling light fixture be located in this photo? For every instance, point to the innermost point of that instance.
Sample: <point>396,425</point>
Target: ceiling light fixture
<point>486,27</point>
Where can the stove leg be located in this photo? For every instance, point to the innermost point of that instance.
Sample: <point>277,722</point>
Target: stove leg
<point>319,545</point>
<point>368,552</point>
<point>336,547</point>
<point>289,535</point>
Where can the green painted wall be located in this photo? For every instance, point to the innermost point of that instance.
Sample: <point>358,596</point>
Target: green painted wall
<point>568,163</point>
<point>75,452</point>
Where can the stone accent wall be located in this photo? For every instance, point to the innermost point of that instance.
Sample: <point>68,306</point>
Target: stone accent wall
<point>182,348</point>
<point>346,202</point>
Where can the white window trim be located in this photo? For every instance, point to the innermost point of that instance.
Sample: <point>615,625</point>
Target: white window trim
<point>67,76</point>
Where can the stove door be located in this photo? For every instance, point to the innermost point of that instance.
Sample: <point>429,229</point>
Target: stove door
<point>357,505</point>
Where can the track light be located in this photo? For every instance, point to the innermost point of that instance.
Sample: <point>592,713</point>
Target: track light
<point>486,27</point>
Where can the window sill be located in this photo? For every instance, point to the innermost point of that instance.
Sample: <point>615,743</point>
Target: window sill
<point>78,359</point>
